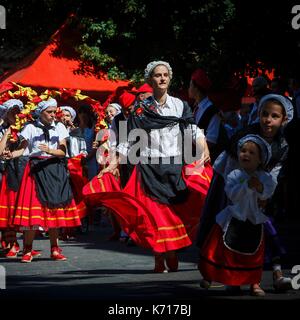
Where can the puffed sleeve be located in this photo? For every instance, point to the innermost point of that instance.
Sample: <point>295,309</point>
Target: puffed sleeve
<point>236,186</point>
<point>62,131</point>
<point>27,132</point>
<point>269,185</point>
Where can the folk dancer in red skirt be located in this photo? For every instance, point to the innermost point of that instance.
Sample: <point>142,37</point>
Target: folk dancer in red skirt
<point>76,155</point>
<point>233,252</point>
<point>156,208</point>
<point>45,197</point>
<point>12,170</point>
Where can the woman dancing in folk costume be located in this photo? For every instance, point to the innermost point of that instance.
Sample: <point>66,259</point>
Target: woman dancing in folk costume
<point>233,252</point>
<point>103,143</point>
<point>45,197</point>
<point>275,111</point>
<point>156,208</point>
<point>12,175</point>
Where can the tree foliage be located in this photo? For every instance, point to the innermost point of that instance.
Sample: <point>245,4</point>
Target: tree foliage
<point>222,36</point>
<point>126,35</point>
<point>122,36</point>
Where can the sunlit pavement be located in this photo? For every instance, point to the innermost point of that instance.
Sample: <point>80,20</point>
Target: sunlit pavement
<point>105,270</point>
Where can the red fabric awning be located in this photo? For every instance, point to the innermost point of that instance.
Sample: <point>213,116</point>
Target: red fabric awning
<point>57,65</point>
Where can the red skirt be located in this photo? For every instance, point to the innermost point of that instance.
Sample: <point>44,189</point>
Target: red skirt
<point>7,204</point>
<point>219,263</point>
<point>78,180</point>
<point>197,179</point>
<point>149,223</point>
<point>29,212</point>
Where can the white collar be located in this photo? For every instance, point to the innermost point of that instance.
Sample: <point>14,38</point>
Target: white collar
<point>52,125</point>
<point>165,105</point>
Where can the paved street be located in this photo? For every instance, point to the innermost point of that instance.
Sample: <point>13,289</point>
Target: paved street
<point>98,269</point>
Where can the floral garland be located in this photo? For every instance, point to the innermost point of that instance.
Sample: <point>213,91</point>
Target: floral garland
<point>22,93</point>
<point>32,99</point>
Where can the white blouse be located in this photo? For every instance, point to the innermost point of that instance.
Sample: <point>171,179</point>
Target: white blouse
<point>165,142</point>
<point>244,199</point>
<point>35,136</point>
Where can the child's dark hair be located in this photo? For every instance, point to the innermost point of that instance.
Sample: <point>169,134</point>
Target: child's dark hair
<point>275,101</point>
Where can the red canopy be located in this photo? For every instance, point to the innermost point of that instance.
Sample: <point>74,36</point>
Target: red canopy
<point>57,65</point>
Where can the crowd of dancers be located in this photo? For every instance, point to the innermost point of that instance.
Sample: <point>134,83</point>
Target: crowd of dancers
<point>167,174</point>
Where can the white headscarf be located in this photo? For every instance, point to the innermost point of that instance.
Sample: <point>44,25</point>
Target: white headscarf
<point>152,65</point>
<point>43,105</point>
<point>265,148</point>
<point>9,104</point>
<point>71,110</point>
<point>286,103</point>
<point>116,106</point>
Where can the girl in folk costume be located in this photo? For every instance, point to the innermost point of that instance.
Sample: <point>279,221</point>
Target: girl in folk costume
<point>87,119</point>
<point>76,144</point>
<point>105,140</point>
<point>233,253</point>
<point>76,154</point>
<point>12,173</point>
<point>45,197</point>
<point>275,111</point>
<point>127,101</point>
<point>155,207</point>
<point>111,111</point>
